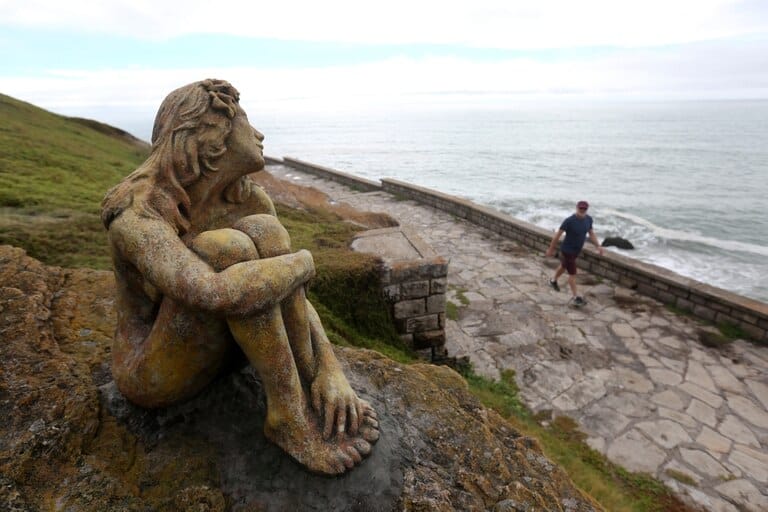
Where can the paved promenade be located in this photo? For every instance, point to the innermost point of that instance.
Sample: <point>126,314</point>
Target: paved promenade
<point>632,374</point>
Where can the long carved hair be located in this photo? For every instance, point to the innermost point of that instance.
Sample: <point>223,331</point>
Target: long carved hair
<point>190,131</point>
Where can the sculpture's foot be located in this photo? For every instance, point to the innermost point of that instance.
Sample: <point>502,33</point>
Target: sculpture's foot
<point>302,438</point>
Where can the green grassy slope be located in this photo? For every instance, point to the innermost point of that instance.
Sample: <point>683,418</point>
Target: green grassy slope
<point>54,171</point>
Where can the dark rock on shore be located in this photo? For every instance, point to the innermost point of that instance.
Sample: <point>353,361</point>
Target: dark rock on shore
<point>70,441</point>
<point>617,241</point>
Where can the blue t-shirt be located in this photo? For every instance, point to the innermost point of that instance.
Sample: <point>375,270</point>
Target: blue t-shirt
<point>576,230</point>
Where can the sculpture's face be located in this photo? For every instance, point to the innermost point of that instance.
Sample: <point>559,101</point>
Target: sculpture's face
<point>244,145</point>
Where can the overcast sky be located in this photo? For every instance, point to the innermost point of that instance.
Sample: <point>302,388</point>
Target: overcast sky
<point>120,58</point>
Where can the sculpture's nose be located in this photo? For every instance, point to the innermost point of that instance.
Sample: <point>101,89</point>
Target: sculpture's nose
<point>259,135</point>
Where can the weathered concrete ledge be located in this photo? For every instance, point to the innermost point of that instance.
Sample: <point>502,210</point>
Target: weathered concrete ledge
<point>702,300</point>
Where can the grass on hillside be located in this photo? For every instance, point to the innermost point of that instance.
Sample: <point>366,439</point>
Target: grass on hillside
<point>54,172</point>
<point>54,163</point>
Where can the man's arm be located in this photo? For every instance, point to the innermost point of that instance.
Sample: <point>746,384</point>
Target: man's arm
<point>593,239</point>
<point>553,244</point>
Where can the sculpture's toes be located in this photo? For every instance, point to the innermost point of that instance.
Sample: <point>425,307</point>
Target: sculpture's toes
<point>362,447</point>
<point>353,453</point>
<point>369,429</point>
<point>334,461</point>
<point>335,468</point>
<point>368,411</point>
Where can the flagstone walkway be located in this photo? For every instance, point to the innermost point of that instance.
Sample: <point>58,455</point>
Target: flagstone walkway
<point>631,373</point>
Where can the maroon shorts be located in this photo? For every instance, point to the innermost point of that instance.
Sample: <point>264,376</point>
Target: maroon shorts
<point>569,262</point>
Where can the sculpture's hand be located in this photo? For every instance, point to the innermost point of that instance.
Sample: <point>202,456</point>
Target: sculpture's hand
<point>336,402</point>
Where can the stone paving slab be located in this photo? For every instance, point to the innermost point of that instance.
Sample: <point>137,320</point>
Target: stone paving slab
<point>631,373</point>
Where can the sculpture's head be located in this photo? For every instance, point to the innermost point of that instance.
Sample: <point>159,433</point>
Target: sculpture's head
<point>195,126</point>
<point>200,130</point>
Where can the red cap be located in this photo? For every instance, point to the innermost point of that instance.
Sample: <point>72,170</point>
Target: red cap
<point>582,204</point>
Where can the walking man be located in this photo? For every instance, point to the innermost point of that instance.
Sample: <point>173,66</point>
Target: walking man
<point>576,228</point>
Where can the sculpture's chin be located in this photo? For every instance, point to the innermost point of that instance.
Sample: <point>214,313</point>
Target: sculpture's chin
<point>255,167</point>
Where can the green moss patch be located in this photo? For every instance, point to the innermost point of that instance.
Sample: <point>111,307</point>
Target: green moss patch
<point>451,311</point>
<point>680,477</point>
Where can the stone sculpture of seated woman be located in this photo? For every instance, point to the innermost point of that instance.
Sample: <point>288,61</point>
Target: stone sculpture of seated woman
<point>203,266</point>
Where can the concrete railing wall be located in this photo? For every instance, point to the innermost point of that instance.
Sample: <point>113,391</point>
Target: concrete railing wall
<point>332,174</point>
<point>702,300</point>
<point>271,160</point>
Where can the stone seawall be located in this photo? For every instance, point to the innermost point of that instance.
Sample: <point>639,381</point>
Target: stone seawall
<point>703,301</point>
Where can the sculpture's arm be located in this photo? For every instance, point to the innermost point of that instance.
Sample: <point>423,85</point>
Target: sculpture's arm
<point>250,195</point>
<point>241,289</point>
<point>261,202</point>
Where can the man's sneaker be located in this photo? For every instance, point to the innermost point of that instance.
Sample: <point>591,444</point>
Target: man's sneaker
<point>579,301</point>
<point>554,285</point>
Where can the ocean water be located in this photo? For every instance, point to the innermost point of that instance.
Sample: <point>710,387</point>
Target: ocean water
<point>685,182</point>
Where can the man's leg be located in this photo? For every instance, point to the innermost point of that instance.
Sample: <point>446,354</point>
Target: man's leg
<point>572,284</point>
<point>559,272</point>
<point>568,264</point>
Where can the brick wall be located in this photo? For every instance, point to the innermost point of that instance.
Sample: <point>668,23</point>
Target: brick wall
<point>415,291</point>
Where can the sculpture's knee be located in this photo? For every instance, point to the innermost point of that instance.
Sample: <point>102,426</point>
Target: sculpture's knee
<point>222,248</point>
<point>267,233</point>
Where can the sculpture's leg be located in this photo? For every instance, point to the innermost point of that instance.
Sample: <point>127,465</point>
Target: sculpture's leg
<point>334,401</point>
<point>271,240</point>
<point>263,338</point>
<point>290,423</point>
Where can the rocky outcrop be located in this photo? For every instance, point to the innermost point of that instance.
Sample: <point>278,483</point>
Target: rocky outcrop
<point>70,441</point>
<point>617,241</point>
